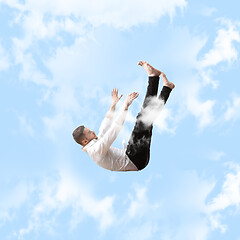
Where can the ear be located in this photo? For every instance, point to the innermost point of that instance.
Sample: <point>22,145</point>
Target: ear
<point>84,142</point>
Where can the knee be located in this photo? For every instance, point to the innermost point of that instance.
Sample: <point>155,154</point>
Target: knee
<point>142,166</point>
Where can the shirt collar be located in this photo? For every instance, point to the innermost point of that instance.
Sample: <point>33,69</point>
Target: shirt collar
<point>89,145</point>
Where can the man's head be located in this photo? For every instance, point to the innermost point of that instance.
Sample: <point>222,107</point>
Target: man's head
<point>83,135</point>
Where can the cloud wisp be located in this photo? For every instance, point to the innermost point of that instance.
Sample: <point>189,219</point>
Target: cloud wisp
<point>223,47</point>
<point>46,23</point>
<point>4,59</point>
<point>224,50</point>
<point>187,203</point>
<point>12,200</point>
<point>230,193</point>
<point>58,193</point>
<point>110,13</point>
<point>43,23</point>
<point>233,109</point>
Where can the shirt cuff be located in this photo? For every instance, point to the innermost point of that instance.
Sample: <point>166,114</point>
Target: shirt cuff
<point>121,117</point>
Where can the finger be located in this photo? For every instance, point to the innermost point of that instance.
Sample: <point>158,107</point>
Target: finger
<point>120,97</point>
<point>135,95</point>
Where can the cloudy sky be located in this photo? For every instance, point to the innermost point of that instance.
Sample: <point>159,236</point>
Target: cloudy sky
<point>59,61</point>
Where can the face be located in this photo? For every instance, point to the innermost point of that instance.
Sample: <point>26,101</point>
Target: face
<point>89,135</point>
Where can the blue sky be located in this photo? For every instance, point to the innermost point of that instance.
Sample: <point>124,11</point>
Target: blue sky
<point>59,61</point>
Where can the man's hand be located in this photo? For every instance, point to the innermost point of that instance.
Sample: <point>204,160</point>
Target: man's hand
<point>129,99</point>
<point>115,98</point>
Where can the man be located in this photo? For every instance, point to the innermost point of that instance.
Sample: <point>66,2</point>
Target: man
<point>137,154</point>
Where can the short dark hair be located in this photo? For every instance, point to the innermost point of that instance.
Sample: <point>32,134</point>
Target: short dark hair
<point>78,134</point>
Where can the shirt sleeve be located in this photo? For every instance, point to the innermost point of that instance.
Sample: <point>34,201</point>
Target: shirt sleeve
<point>111,134</point>
<point>105,125</point>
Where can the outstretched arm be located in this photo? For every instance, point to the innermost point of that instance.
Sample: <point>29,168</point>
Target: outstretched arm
<point>112,133</point>
<point>115,100</point>
<point>128,101</point>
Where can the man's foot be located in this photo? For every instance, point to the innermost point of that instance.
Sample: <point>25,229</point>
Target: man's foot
<point>166,82</point>
<point>151,71</point>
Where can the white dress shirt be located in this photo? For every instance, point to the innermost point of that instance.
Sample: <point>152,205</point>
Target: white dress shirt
<point>101,150</point>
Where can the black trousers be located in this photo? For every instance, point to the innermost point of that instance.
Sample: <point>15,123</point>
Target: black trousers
<point>138,148</point>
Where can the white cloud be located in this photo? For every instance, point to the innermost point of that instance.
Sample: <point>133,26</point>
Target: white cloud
<point>141,214</point>
<point>202,110</point>
<point>216,155</point>
<point>142,232</point>
<point>229,196</point>
<point>162,121</point>
<point>183,211</point>
<point>54,125</point>
<point>139,204</point>
<point>156,112</point>
<point>25,126</point>
<point>184,200</point>
<point>197,229</point>
<point>207,78</point>
<point>223,48</point>
<point>230,193</point>
<point>208,11</point>
<point>46,20</point>
<point>196,216</point>
<point>123,14</point>
<point>188,78</point>
<point>12,199</point>
<point>64,191</point>
<point>233,111</point>
<point>42,21</point>
<point>74,16</point>
<point>151,111</point>
<point>29,70</point>
<point>215,220</point>
<point>192,192</point>
<point>4,59</point>
<point>180,212</point>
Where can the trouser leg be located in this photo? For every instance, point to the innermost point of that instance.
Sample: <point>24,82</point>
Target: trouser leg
<point>164,95</point>
<point>138,148</point>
